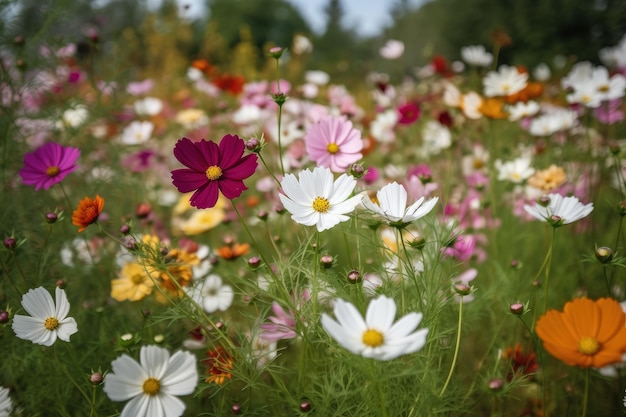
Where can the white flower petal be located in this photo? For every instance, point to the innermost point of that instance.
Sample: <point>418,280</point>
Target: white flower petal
<point>137,407</point>
<point>181,376</point>
<point>38,303</point>
<point>154,360</point>
<point>67,327</point>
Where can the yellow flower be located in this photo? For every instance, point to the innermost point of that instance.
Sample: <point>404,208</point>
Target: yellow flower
<point>548,179</point>
<point>202,221</point>
<point>133,283</point>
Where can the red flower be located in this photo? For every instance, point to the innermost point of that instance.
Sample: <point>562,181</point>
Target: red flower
<point>231,83</point>
<point>523,365</point>
<point>87,212</point>
<point>212,169</point>
<point>409,113</point>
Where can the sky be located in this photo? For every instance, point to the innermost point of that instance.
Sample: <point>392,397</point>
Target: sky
<point>367,17</point>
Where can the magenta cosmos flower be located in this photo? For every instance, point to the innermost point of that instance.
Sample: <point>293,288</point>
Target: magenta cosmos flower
<point>48,165</point>
<point>212,168</point>
<point>333,143</point>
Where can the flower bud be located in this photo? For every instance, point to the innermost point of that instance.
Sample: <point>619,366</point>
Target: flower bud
<point>236,408</point>
<point>51,217</point>
<point>462,289</point>
<point>60,283</point>
<point>4,317</point>
<point>622,207</point>
<point>96,378</point>
<point>254,262</point>
<point>604,254</point>
<point>418,243</point>
<point>262,215</point>
<point>18,40</point>
<point>125,229</point>
<point>544,201</point>
<point>10,243</point>
<point>279,98</point>
<point>326,261</point>
<point>20,64</point>
<point>305,406</point>
<point>614,148</point>
<point>354,277</point>
<point>279,208</point>
<point>517,309</point>
<point>515,264</point>
<point>253,145</point>
<point>276,52</point>
<point>495,384</point>
<point>357,170</point>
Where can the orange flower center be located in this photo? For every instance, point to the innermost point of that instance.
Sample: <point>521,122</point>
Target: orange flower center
<point>332,148</point>
<point>151,386</point>
<point>53,171</point>
<point>321,205</point>
<point>51,323</point>
<point>373,338</point>
<point>588,346</point>
<point>213,172</point>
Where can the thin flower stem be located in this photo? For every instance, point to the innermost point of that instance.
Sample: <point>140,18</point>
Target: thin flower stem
<point>252,239</point>
<point>379,389</point>
<point>8,275</point>
<point>280,146</point>
<point>456,349</point>
<point>73,381</point>
<point>267,168</point>
<point>585,394</point>
<point>547,271</point>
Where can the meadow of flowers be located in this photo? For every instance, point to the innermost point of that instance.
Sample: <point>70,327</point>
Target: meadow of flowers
<point>203,244</point>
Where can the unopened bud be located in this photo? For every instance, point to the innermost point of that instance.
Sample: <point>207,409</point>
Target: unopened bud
<point>418,243</point>
<point>51,217</point>
<point>326,261</point>
<point>4,317</point>
<point>357,170</point>
<point>462,289</point>
<point>544,201</point>
<point>96,378</point>
<point>60,283</point>
<point>495,384</point>
<point>254,262</point>
<point>517,309</point>
<point>10,243</point>
<point>236,409</point>
<point>604,254</point>
<point>305,406</point>
<point>262,215</point>
<point>276,52</point>
<point>124,229</point>
<point>253,145</point>
<point>143,210</point>
<point>354,277</point>
<point>622,207</point>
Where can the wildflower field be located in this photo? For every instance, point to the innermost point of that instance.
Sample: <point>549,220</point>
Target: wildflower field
<point>187,240</point>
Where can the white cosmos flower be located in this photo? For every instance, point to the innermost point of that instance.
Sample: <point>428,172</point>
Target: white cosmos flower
<point>476,55</point>
<point>5,402</point>
<point>137,132</point>
<point>212,295</point>
<point>376,336</point>
<point>47,320</point>
<point>316,199</point>
<point>559,210</point>
<point>392,200</point>
<point>504,82</point>
<point>516,170</point>
<point>153,384</point>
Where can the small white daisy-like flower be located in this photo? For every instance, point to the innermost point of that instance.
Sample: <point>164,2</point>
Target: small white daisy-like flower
<point>504,82</point>
<point>476,55</point>
<point>137,132</point>
<point>558,210</point>
<point>392,200</point>
<point>47,321</point>
<point>154,384</point>
<point>212,295</point>
<point>516,170</point>
<point>521,110</point>
<point>317,199</point>
<point>5,402</point>
<point>148,106</point>
<point>375,336</point>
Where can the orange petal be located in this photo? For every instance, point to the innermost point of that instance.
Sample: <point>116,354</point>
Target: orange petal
<point>551,328</point>
<point>613,319</point>
<point>583,316</point>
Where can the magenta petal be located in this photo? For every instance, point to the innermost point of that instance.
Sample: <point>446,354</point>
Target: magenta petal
<point>210,152</point>
<point>187,180</point>
<point>189,155</point>
<point>242,169</point>
<point>232,188</point>
<point>231,149</point>
<point>206,196</point>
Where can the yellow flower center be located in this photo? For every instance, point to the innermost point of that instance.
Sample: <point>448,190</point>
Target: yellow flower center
<point>603,88</point>
<point>332,148</point>
<point>588,346</point>
<point>137,279</point>
<point>52,171</point>
<point>51,323</point>
<point>321,204</point>
<point>213,172</point>
<point>151,386</point>
<point>373,338</point>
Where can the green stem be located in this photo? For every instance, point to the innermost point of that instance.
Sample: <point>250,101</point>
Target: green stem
<point>585,394</point>
<point>456,349</point>
<point>73,381</point>
<point>547,271</point>
<point>379,389</point>
<point>267,168</point>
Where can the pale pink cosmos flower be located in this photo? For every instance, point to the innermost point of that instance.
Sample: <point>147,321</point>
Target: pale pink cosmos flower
<point>282,326</point>
<point>334,143</point>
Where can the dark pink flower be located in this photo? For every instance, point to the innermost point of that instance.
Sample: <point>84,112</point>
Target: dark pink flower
<point>409,113</point>
<point>48,165</point>
<point>212,168</point>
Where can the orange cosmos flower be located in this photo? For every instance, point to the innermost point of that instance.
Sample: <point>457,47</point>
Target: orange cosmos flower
<point>233,251</point>
<point>493,108</point>
<point>87,212</point>
<point>586,334</point>
<point>219,364</point>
